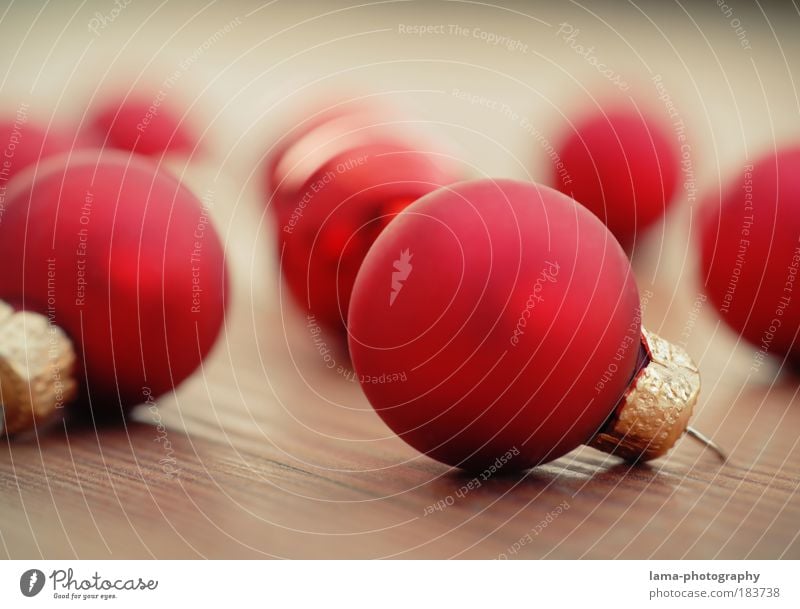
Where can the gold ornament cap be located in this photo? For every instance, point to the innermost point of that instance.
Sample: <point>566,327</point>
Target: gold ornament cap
<point>656,409</point>
<point>37,366</point>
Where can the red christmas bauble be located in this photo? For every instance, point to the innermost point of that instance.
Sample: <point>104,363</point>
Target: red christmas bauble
<point>335,188</point>
<point>492,318</point>
<point>123,258</point>
<point>621,166</point>
<point>145,126</point>
<point>750,253</point>
<point>321,134</point>
<point>23,144</point>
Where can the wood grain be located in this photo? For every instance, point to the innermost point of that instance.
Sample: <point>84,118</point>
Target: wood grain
<point>268,453</point>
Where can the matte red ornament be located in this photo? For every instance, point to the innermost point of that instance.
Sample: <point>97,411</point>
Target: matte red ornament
<point>750,254</point>
<point>623,167</point>
<point>121,261</point>
<point>342,178</point>
<point>498,322</point>
<point>145,126</point>
<point>24,143</point>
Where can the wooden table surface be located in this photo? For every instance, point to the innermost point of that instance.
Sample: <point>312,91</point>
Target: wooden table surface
<point>266,452</point>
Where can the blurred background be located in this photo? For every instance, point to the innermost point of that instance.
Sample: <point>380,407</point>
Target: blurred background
<point>279,455</point>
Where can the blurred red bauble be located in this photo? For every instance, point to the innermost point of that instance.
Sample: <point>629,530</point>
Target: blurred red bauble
<point>750,254</point>
<point>145,126</point>
<point>622,167</point>
<point>498,320</point>
<point>122,258</point>
<point>324,133</point>
<point>23,144</point>
<point>337,181</point>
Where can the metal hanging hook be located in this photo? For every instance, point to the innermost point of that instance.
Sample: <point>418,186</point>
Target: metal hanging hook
<point>708,443</point>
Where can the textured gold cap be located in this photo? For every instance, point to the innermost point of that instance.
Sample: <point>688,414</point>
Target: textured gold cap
<point>657,407</point>
<point>37,364</point>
